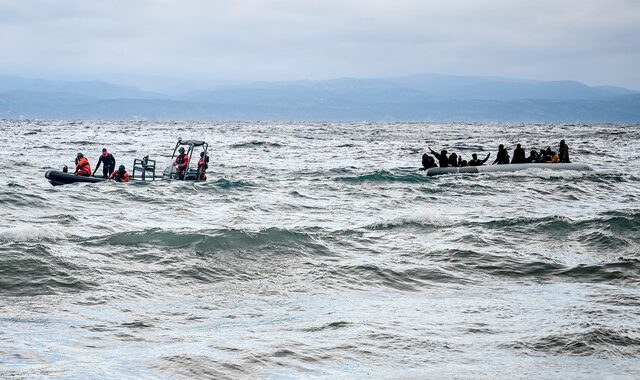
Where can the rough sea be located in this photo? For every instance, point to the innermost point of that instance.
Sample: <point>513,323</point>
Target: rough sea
<point>319,250</point>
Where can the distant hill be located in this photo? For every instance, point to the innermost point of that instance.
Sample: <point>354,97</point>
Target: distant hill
<point>410,98</point>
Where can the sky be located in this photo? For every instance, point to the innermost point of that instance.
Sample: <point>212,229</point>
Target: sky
<point>593,41</point>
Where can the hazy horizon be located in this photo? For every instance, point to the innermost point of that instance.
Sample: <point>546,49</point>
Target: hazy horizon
<point>142,43</point>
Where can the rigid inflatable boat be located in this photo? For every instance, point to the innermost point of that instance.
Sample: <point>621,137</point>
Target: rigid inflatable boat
<point>57,177</point>
<point>506,168</point>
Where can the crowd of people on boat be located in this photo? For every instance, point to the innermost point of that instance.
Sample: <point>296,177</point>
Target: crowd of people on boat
<point>445,159</point>
<point>108,162</point>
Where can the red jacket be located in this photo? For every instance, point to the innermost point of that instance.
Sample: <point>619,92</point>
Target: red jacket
<point>202,170</point>
<point>182,162</point>
<point>123,178</point>
<point>83,168</point>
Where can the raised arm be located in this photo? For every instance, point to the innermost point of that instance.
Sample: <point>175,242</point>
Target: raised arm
<point>486,158</point>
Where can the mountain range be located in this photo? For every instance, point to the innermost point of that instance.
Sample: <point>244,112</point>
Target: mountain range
<point>436,98</point>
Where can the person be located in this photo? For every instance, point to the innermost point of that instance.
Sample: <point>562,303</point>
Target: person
<point>453,160</point>
<point>120,175</point>
<point>564,153</point>
<point>542,156</point>
<point>476,162</point>
<point>553,158</point>
<point>203,165</point>
<point>518,155</point>
<point>462,163</point>
<point>182,163</point>
<point>428,162</point>
<point>65,169</point>
<point>443,160</point>
<point>503,156</point>
<point>109,162</point>
<point>533,157</point>
<point>83,168</point>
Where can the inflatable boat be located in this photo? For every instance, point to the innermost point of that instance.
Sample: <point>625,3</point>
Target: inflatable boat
<point>57,178</point>
<point>506,168</point>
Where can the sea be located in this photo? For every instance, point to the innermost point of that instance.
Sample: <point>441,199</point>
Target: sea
<point>319,250</point>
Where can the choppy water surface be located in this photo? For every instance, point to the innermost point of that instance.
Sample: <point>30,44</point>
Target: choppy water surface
<point>318,250</point>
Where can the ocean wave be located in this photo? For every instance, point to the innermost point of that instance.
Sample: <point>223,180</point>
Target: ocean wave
<point>33,270</point>
<point>224,183</point>
<point>256,143</point>
<point>618,222</point>
<point>600,342</point>
<point>475,265</point>
<point>386,176</point>
<point>411,279</point>
<point>424,220</point>
<point>272,240</point>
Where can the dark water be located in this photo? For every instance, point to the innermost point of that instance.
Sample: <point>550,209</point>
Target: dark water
<point>318,250</point>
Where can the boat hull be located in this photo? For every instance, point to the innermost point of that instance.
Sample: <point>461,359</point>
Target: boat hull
<point>57,178</point>
<point>506,168</point>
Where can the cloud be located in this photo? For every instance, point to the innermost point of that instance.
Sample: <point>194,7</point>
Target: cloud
<point>593,41</point>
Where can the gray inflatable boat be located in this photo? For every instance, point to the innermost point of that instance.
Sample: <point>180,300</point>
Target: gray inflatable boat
<point>506,168</point>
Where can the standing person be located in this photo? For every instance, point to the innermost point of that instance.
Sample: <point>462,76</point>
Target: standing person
<point>564,153</point>
<point>181,163</point>
<point>203,165</point>
<point>503,156</point>
<point>443,160</point>
<point>518,155</point>
<point>109,162</point>
<point>120,175</point>
<point>83,168</point>
<point>476,162</point>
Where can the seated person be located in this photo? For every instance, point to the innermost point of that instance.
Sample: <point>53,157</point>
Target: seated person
<point>476,162</point>
<point>428,162</point>
<point>553,158</point>
<point>83,168</point>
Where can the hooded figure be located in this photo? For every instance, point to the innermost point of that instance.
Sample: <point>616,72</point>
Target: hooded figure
<point>503,156</point>
<point>564,153</point>
<point>518,155</point>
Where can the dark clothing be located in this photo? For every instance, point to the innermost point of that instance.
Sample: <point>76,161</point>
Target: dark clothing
<point>564,154</point>
<point>109,165</point>
<point>443,160</point>
<point>502,158</point>
<point>476,162</point>
<point>453,160</point>
<point>518,156</point>
<point>428,162</point>
<point>533,157</point>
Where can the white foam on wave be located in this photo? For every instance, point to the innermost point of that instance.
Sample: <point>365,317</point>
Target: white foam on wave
<point>32,233</point>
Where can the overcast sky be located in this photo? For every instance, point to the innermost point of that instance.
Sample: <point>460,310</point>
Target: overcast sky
<point>594,41</point>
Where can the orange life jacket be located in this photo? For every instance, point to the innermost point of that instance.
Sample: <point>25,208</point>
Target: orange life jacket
<point>123,178</point>
<point>83,168</point>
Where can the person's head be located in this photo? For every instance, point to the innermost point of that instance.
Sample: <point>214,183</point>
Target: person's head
<point>79,156</point>
<point>474,156</point>
<point>201,154</point>
<point>533,152</point>
<point>562,142</point>
<point>500,147</point>
<point>105,152</point>
<point>121,169</point>
<point>181,150</point>
<point>443,152</point>
<point>518,145</point>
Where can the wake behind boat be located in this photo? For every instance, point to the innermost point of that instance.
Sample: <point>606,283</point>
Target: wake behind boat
<point>507,168</point>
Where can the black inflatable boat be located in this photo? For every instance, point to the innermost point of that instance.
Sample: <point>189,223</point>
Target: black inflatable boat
<point>57,178</point>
